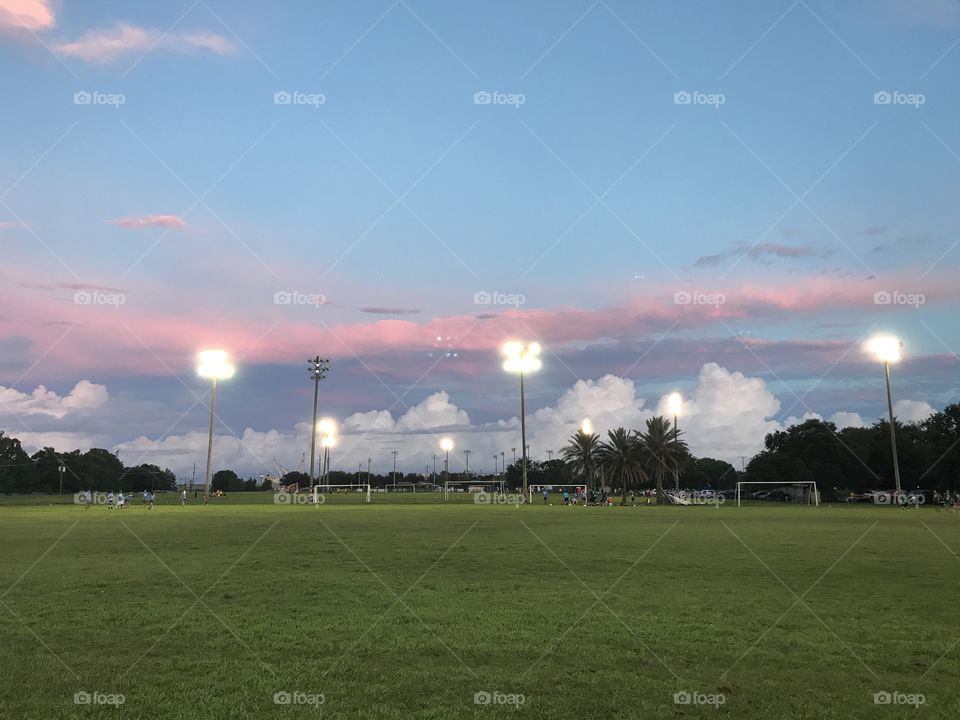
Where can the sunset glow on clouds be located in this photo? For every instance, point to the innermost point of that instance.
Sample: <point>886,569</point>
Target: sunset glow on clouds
<point>281,184</point>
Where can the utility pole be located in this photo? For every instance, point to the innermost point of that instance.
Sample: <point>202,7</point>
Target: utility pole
<point>514,455</point>
<point>317,367</point>
<point>549,454</point>
<point>394,453</point>
<point>466,454</point>
<point>434,468</point>
<point>193,480</point>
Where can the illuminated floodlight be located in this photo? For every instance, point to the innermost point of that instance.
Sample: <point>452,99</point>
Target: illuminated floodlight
<point>215,365</point>
<point>885,348</point>
<point>521,358</point>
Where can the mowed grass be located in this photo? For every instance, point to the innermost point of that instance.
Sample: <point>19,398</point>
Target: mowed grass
<point>408,609</point>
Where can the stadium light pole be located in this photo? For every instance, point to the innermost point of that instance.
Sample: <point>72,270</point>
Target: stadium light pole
<point>522,359</point>
<point>466,455</point>
<point>675,405</point>
<point>214,365</point>
<point>328,430</point>
<point>446,444</point>
<point>586,427</point>
<point>317,367</point>
<point>886,349</point>
<point>394,453</point>
<point>328,442</point>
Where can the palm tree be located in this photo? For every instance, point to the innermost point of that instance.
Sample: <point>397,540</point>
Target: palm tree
<point>663,451</point>
<point>580,456</point>
<point>621,459</point>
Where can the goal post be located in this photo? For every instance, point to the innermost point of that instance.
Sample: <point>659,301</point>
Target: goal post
<point>811,494</point>
<point>471,486</point>
<point>320,489</point>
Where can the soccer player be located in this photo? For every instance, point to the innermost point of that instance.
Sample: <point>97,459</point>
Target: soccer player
<point>183,497</point>
<point>110,500</point>
<point>546,494</point>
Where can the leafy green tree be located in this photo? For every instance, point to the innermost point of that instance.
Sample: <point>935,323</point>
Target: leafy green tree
<point>580,456</point>
<point>662,451</point>
<point>222,480</point>
<point>708,472</point>
<point>621,459</point>
<point>16,469</point>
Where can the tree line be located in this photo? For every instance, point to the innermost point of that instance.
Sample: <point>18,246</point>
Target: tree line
<point>839,461</point>
<point>95,469</point>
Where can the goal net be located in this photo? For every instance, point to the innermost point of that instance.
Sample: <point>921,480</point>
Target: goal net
<point>471,486</point>
<point>321,491</point>
<point>803,491</point>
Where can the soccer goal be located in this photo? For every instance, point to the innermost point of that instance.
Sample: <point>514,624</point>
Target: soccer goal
<point>803,491</point>
<point>319,490</point>
<point>471,486</point>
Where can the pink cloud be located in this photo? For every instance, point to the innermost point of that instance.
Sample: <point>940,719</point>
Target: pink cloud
<point>153,332</point>
<point>135,223</point>
<point>30,15</point>
<point>107,45</point>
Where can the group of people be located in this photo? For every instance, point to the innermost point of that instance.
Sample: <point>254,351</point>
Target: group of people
<point>580,497</point>
<point>592,497</point>
<point>121,499</point>
<point>950,500</point>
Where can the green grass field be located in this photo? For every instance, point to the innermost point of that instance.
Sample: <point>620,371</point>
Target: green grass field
<point>409,609</point>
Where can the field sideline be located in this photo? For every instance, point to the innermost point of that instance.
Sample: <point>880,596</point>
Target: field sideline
<point>406,609</point>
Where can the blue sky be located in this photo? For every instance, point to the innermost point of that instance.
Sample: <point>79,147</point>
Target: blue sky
<point>589,191</point>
